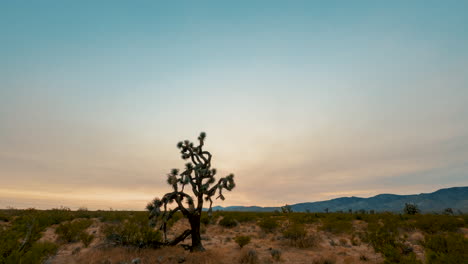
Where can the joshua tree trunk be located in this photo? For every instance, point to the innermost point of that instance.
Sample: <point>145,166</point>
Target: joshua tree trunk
<point>196,238</point>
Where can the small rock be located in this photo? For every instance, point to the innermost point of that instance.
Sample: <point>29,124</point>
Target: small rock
<point>136,261</point>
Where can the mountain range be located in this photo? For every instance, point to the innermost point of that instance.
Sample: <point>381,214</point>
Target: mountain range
<point>455,198</point>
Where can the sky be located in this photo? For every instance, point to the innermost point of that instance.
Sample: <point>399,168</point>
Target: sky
<point>302,100</point>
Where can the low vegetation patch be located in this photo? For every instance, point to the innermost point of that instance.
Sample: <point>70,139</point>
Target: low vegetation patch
<point>450,248</point>
<point>228,221</point>
<point>133,232</point>
<point>268,224</point>
<point>297,236</point>
<point>73,231</point>
<point>242,240</point>
<point>338,224</point>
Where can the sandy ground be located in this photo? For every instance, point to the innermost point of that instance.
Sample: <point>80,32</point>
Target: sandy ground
<point>220,247</point>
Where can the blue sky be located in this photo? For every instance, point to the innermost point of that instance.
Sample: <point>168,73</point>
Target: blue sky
<point>310,99</point>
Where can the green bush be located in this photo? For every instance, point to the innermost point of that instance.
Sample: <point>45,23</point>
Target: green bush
<point>268,224</point>
<point>134,232</point>
<point>433,224</point>
<point>71,231</point>
<point>295,231</point>
<point>451,248</point>
<point>39,252</point>
<point>337,224</point>
<point>249,257</point>
<point>383,236</point>
<point>297,236</point>
<point>275,254</point>
<point>242,240</point>
<point>228,221</point>
<point>86,238</point>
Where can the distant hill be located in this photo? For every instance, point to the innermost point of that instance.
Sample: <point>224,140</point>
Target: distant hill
<point>455,198</point>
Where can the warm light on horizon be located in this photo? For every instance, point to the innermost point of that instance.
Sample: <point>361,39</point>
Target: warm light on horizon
<point>303,102</point>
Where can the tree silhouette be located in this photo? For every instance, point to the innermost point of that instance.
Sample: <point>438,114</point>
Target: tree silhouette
<point>198,175</point>
<point>411,209</point>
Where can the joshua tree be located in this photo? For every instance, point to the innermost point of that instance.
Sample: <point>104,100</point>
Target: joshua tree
<point>286,209</point>
<point>448,211</point>
<point>198,175</point>
<point>411,209</point>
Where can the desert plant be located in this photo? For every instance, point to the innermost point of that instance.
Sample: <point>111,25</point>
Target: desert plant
<point>452,248</point>
<point>411,209</point>
<point>337,224</point>
<point>86,238</point>
<point>275,254</point>
<point>198,175</point>
<point>294,232</point>
<point>242,240</point>
<point>324,260</point>
<point>133,233</point>
<point>268,224</point>
<point>71,231</point>
<point>249,257</point>
<point>228,221</point>
<point>286,209</point>
<point>297,236</point>
<point>448,211</point>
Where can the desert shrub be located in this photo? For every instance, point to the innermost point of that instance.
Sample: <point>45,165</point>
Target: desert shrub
<point>355,240</point>
<point>71,231</point>
<point>133,233</point>
<point>302,218</point>
<point>116,216</point>
<point>242,240</point>
<point>275,254</point>
<point>205,219</point>
<point>383,237</point>
<point>268,224</point>
<point>448,211</point>
<point>337,225</point>
<point>39,252</point>
<point>343,242</point>
<point>249,257</point>
<point>4,217</point>
<point>295,231</point>
<point>324,260</point>
<point>451,248</point>
<point>86,238</point>
<point>297,236</point>
<point>438,223</point>
<point>228,221</point>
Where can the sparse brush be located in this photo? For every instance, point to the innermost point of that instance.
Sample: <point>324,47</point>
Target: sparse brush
<point>86,238</point>
<point>297,236</point>
<point>71,231</point>
<point>324,260</point>
<point>228,222</point>
<point>242,240</point>
<point>343,242</point>
<point>275,254</point>
<point>249,257</point>
<point>268,224</point>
